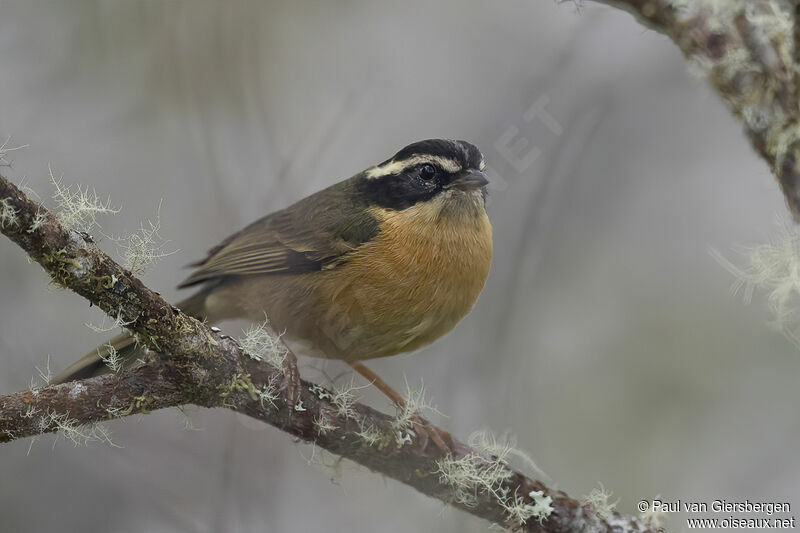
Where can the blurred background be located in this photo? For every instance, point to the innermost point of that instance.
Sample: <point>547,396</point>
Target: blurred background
<point>606,339</point>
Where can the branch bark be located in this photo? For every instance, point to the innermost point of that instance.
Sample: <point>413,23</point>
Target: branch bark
<point>749,52</point>
<point>198,365</point>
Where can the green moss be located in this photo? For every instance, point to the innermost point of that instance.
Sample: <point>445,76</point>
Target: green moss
<point>60,266</point>
<point>201,342</point>
<point>238,383</point>
<point>140,404</point>
<point>102,283</point>
<point>185,325</point>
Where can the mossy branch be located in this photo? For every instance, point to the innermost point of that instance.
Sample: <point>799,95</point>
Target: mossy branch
<point>749,52</point>
<point>198,365</point>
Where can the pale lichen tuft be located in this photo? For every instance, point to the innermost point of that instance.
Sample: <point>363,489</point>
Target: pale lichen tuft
<point>5,149</point>
<point>415,403</point>
<point>77,207</point>
<point>110,356</point>
<point>344,398</point>
<point>261,344</point>
<point>369,434</point>
<point>599,498</point>
<point>323,425</point>
<point>773,267</point>
<point>144,248</point>
<point>8,214</point>
<point>486,472</point>
<point>519,510</point>
<point>75,432</point>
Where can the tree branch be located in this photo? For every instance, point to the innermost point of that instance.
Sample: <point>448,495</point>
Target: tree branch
<point>749,51</point>
<point>796,19</point>
<point>69,406</point>
<point>198,365</point>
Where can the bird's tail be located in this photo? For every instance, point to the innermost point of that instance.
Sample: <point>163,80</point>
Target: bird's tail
<point>123,346</point>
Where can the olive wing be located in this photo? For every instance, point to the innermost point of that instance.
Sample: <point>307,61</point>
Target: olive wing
<point>315,233</point>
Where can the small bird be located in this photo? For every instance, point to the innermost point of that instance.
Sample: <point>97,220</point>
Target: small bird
<point>381,263</point>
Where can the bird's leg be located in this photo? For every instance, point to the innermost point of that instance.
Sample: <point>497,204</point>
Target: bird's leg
<point>438,436</point>
<point>381,385</point>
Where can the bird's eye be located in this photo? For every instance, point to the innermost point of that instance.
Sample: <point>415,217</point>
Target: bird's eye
<point>427,172</point>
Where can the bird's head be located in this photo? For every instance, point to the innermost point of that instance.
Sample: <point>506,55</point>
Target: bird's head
<point>438,177</point>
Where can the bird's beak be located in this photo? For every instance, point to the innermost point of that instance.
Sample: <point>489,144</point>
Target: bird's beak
<point>469,180</point>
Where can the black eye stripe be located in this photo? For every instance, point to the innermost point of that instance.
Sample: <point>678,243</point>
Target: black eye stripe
<point>398,191</point>
<point>417,173</point>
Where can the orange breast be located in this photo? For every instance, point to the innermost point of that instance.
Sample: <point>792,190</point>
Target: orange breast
<point>408,286</point>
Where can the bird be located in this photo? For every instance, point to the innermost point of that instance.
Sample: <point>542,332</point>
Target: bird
<point>381,263</point>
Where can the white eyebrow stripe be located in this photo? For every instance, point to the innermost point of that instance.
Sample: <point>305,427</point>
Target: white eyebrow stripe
<point>396,167</point>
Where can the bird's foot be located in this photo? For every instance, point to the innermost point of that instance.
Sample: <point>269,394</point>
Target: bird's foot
<point>428,432</point>
<point>424,429</point>
<point>291,380</point>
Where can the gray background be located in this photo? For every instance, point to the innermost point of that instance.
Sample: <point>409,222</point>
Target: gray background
<point>606,338</point>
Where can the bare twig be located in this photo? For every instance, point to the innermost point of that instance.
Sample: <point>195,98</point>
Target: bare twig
<point>198,365</point>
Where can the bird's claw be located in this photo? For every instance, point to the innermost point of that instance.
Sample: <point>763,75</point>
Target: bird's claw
<point>428,432</point>
<point>291,380</point>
